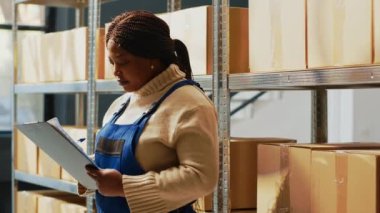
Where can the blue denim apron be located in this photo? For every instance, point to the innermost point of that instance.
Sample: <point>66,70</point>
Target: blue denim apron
<point>115,149</point>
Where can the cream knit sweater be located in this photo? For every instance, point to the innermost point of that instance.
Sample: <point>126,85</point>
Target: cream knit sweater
<point>178,147</point>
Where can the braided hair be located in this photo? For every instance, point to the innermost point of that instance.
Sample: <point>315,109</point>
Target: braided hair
<point>145,35</point>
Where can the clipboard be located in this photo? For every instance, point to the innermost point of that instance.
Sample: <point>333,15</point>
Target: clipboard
<point>52,139</point>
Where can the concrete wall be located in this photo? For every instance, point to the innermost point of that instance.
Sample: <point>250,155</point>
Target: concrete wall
<point>352,115</point>
<point>276,114</point>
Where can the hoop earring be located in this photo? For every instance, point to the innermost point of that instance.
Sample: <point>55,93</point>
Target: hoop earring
<point>152,67</point>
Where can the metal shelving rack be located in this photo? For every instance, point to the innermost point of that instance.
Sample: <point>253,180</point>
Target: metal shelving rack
<point>78,88</point>
<point>331,78</point>
<point>59,3</point>
<point>60,185</point>
<point>102,86</point>
<point>220,83</point>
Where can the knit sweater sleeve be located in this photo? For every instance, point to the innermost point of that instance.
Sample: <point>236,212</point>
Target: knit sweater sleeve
<point>195,141</point>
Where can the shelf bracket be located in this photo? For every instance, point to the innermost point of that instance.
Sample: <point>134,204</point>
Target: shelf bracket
<point>247,102</point>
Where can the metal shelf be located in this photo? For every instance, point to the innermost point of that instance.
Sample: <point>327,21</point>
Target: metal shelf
<point>102,86</point>
<point>60,185</point>
<point>342,77</point>
<point>205,81</point>
<point>56,87</point>
<point>59,3</point>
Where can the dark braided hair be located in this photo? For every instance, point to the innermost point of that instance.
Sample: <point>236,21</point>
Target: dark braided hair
<point>145,35</point>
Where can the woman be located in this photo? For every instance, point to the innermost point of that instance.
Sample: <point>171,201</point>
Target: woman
<point>157,149</point>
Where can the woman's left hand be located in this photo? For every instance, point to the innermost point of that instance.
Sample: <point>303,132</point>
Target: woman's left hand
<point>109,181</point>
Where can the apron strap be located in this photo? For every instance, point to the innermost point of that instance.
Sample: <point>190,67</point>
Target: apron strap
<point>117,114</point>
<point>141,122</point>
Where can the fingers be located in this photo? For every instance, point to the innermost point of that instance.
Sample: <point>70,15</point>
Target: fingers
<point>91,167</point>
<point>93,172</point>
<point>93,175</point>
<point>81,186</point>
<point>81,189</point>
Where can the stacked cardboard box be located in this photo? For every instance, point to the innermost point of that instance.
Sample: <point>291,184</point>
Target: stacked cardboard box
<point>26,154</point>
<point>48,201</point>
<point>233,211</point>
<point>376,33</point>
<point>26,202</point>
<point>277,38</point>
<point>285,174</point>
<point>193,27</point>
<point>243,173</point>
<point>300,34</point>
<point>47,167</point>
<point>51,57</point>
<point>339,32</point>
<point>351,177</point>
<point>30,54</point>
<point>59,56</point>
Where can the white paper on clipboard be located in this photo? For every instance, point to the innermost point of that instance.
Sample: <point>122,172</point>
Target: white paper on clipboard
<point>52,139</point>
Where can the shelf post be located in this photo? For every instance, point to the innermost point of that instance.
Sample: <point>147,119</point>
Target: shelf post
<point>79,17</point>
<point>13,102</point>
<point>173,5</point>
<point>79,97</point>
<point>319,116</point>
<point>221,98</point>
<point>93,24</point>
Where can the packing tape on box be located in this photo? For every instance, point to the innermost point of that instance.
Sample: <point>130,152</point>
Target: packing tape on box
<point>282,203</point>
<point>341,167</point>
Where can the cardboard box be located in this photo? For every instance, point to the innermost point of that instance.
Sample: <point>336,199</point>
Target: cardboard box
<point>277,35</point>
<point>47,167</point>
<point>26,154</point>
<point>75,54</point>
<point>72,208</point>
<point>243,166</point>
<point>339,33</point>
<point>233,211</point>
<point>351,178</point>
<point>100,50</point>
<point>66,60</point>
<point>51,58</point>
<point>51,201</point>
<point>26,202</point>
<point>293,170</point>
<point>47,201</point>
<point>194,28</point>
<point>75,133</point>
<point>30,63</point>
<point>48,204</point>
<point>376,10</point>
<point>273,178</point>
<point>108,67</point>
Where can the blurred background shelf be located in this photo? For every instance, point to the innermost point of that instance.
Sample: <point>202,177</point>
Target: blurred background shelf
<point>343,77</point>
<point>334,78</point>
<point>56,87</point>
<point>59,3</point>
<point>102,86</point>
<point>60,185</point>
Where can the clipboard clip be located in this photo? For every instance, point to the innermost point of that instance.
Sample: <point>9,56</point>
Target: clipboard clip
<point>80,140</point>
